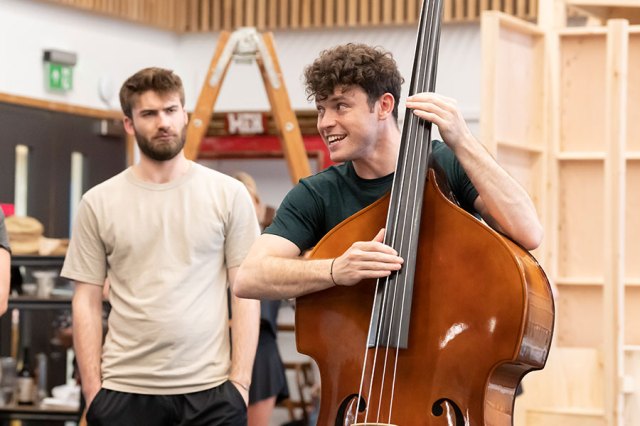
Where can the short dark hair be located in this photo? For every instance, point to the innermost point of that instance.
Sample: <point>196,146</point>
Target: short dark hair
<point>371,68</point>
<point>159,80</point>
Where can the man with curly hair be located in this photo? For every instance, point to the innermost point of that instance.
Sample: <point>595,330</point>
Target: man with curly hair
<point>357,90</point>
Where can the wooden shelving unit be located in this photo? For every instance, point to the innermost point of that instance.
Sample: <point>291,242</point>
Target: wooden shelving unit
<point>571,94</point>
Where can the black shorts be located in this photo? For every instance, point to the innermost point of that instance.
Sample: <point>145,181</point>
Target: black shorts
<point>219,406</point>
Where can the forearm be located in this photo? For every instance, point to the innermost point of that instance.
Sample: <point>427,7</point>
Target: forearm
<point>245,327</point>
<point>87,340</point>
<point>272,277</point>
<point>506,203</point>
<point>273,268</point>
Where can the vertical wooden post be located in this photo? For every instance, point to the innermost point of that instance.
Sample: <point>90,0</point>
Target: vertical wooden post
<point>614,218</point>
<point>490,33</point>
<point>550,18</point>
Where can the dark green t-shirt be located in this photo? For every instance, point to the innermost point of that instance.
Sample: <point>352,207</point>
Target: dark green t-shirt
<point>320,202</point>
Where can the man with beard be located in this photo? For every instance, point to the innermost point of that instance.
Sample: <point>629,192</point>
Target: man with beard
<point>169,235</point>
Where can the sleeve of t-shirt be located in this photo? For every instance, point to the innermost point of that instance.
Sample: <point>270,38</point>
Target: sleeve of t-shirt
<point>298,218</point>
<point>457,178</point>
<point>463,188</point>
<point>242,228</point>
<point>86,259</point>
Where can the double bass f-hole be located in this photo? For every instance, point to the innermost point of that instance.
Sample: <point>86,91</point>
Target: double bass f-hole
<point>344,418</point>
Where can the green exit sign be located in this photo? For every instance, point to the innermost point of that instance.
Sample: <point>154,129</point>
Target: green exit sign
<point>59,77</point>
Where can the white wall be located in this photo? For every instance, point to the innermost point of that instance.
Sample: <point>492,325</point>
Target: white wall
<point>458,77</point>
<point>111,50</point>
<point>458,74</point>
<point>107,49</point>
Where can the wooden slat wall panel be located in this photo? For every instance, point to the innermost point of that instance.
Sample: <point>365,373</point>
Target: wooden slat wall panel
<point>363,13</point>
<point>261,15</point>
<point>237,13</point>
<point>283,15</point>
<point>352,13</point>
<point>398,13</point>
<point>329,16</point>
<point>294,14</point>
<point>306,14</point>
<point>227,11</point>
<point>317,14</point>
<point>218,15</point>
<point>387,12</point>
<point>340,13</point>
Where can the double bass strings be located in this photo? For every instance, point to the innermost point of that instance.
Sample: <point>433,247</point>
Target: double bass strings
<point>412,161</point>
<point>421,142</point>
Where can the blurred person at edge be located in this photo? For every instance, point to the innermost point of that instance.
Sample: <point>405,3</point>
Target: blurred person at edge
<point>5,265</point>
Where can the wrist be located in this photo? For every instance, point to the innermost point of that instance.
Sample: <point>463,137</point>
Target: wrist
<point>331,272</point>
<point>243,385</point>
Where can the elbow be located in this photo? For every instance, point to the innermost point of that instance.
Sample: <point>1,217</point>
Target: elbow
<point>242,285</point>
<point>532,239</point>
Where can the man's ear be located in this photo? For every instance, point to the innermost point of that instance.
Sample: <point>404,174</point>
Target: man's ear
<point>387,103</point>
<point>128,125</point>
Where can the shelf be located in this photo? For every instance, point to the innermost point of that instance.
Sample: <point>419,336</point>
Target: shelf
<point>31,412</point>
<point>591,281</point>
<point>580,156</point>
<point>39,261</point>
<point>520,147</point>
<point>609,9</point>
<point>593,155</point>
<point>32,302</point>
<point>580,281</point>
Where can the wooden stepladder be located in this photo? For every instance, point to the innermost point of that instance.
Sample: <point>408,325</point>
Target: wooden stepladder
<point>247,43</point>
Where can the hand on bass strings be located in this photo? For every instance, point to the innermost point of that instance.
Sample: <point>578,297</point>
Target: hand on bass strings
<point>365,260</point>
<point>444,113</point>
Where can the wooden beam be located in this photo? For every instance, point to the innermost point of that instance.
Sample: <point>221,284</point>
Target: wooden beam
<point>60,107</point>
<point>284,116</point>
<point>199,121</point>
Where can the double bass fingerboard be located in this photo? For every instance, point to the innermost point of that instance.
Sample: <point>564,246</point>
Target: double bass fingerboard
<point>392,307</point>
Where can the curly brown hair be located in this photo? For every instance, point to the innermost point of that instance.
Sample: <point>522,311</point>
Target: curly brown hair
<point>354,64</point>
<point>159,80</point>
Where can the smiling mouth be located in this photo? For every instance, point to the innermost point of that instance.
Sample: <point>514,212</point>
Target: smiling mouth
<point>333,139</point>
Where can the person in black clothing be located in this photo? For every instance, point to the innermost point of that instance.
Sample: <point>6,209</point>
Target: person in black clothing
<point>268,380</point>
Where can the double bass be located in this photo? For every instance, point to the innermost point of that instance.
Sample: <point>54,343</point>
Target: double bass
<point>447,339</point>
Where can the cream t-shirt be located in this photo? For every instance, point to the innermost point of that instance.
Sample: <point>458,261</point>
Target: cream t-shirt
<point>166,249</point>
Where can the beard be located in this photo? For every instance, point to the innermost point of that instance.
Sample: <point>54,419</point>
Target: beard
<point>161,149</point>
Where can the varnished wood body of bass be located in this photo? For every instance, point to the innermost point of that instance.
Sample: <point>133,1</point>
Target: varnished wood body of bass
<point>482,317</point>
